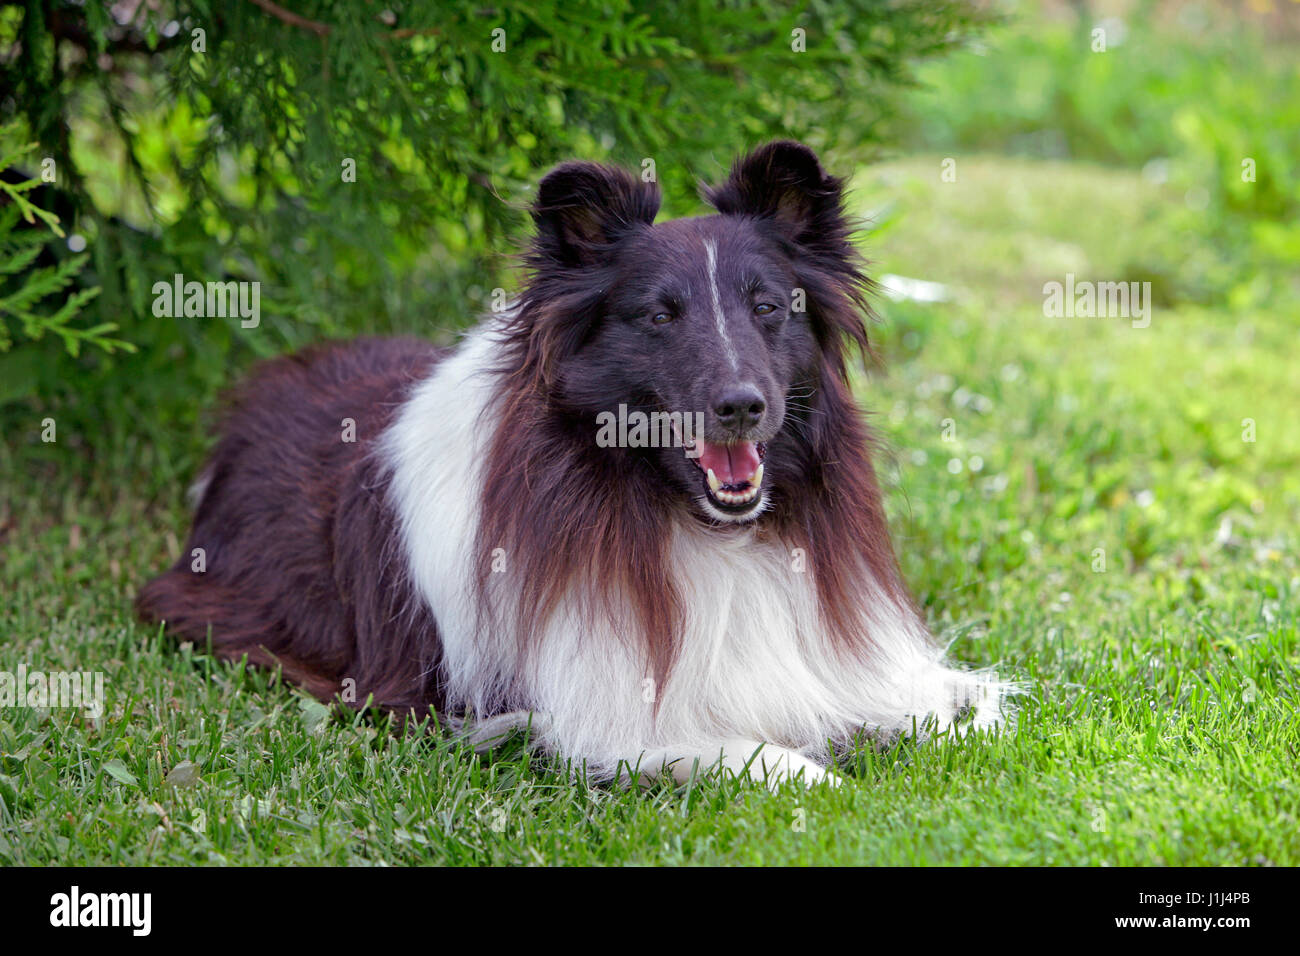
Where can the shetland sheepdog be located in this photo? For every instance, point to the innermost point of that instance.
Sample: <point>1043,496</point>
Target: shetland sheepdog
<point>708,584</point>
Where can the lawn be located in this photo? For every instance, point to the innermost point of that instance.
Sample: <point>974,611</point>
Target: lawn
<point>1074,501</point>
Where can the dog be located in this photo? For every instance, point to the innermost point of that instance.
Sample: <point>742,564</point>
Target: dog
<point>726,597</point>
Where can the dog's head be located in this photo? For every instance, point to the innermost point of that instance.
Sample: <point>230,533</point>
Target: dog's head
<point>719,331</point>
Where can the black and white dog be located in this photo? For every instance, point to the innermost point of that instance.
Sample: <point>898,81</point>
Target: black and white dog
<point>728,592</point>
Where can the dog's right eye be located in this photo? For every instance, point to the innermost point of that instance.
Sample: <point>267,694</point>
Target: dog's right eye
<point>662,318</point>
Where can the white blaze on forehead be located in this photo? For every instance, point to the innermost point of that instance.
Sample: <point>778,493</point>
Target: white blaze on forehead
<point>711,255</point>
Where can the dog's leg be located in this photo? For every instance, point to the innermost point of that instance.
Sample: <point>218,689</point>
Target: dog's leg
<point>764,763</point>
<point>487,734</point>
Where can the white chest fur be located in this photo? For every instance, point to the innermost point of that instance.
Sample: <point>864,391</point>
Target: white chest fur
<point>755,662</point>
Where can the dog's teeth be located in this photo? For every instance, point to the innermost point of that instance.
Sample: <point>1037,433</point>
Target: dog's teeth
<point>736,497</point>
<point>746,494</point>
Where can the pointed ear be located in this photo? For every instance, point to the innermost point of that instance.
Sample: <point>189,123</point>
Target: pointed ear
<point>784,181</point>
<point>784,184</point>
<point>584,208</point>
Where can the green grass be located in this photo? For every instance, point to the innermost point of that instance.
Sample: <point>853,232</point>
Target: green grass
<point>1161,724</point>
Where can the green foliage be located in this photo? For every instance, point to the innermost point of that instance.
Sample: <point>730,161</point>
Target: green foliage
<point>218,140</point>
<point>27,285</point>
<point>1200,96</point>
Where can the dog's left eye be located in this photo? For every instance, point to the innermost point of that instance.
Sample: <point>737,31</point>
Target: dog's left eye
<point>661,318</point>
<point>764,308</point>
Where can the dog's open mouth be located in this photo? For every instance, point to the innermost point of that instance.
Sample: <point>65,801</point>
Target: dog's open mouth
<point>733,473</point>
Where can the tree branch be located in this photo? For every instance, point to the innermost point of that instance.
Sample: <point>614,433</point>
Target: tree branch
<point>324,29</point>
<point>293,19</point>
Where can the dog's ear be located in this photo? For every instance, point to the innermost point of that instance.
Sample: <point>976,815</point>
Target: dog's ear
<point>784,181</point>
<point>783,184</point>
<point>584,208</point>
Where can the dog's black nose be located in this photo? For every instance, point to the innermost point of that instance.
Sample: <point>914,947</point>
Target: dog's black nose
<point>739,408</point>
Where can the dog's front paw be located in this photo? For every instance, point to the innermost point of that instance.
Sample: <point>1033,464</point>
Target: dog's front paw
<point>762,763</point>
<point>778,766</point>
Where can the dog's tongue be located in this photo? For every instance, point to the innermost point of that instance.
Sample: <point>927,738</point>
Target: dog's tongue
<point>733,464</point>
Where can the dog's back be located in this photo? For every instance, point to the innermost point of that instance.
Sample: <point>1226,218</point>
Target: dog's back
<point>289,560</point>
